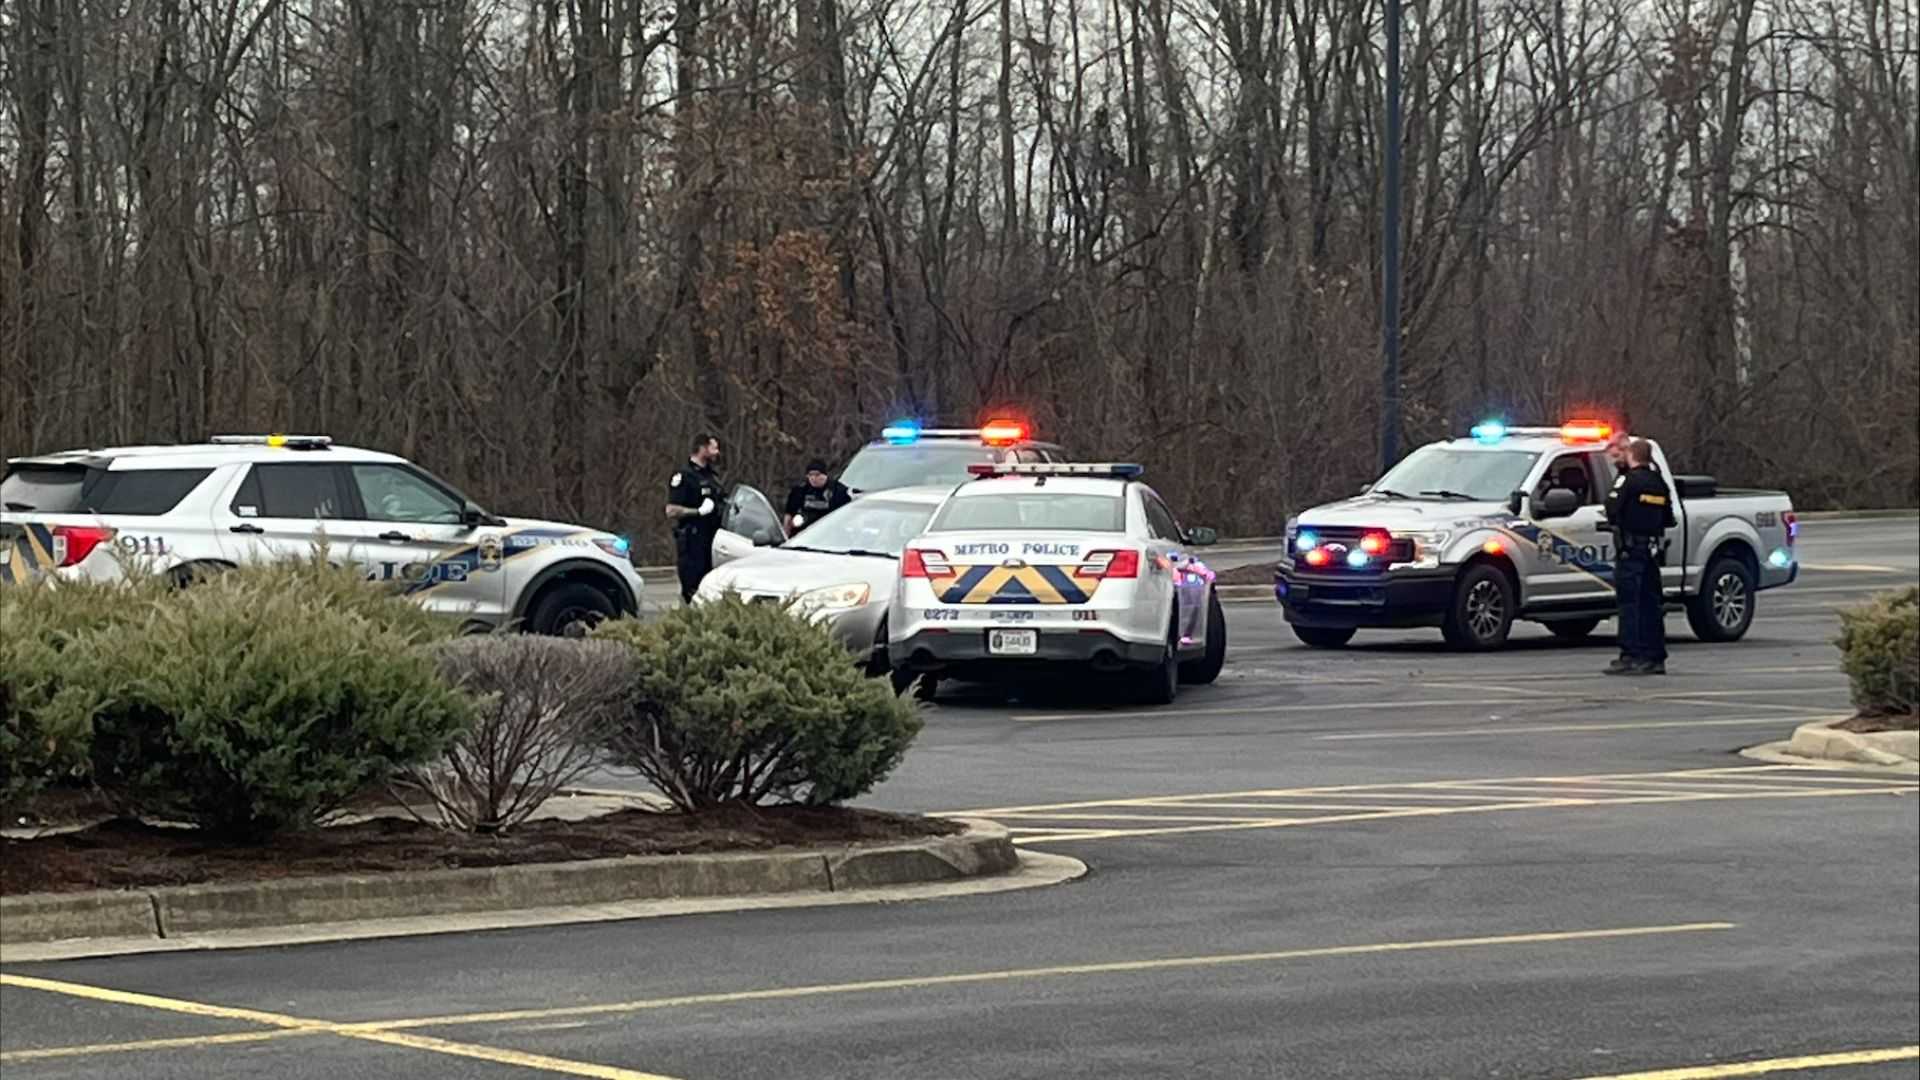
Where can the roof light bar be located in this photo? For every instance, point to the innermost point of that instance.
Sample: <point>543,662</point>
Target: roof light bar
<point>287,442</point>
<point>1586,431</point>
<point>1490,431</point>
<point>1118,470</point>
<point>1002,432</point>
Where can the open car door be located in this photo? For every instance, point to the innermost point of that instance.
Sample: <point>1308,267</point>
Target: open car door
<point>748,523</point>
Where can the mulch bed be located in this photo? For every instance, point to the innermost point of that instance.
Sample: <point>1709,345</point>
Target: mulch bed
<point>1257,574</point>
<point>1861,725</point>
<point>125,854</point>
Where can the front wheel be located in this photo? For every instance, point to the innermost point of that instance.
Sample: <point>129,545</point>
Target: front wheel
<point>1723,610</point>
<point>569,609</point>
<point>1323,637</point>
<point>1482,611</point>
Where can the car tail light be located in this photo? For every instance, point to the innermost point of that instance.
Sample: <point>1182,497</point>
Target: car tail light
<point>73,543</point>
<point>1110,564</point>
<point>924,563</point>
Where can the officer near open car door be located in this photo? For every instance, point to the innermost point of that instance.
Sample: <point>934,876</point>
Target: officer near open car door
<point>1640,511</point>
<point>815,498</point>
<point>694,496</point>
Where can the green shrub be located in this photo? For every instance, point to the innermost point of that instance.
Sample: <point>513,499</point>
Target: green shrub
<point>1880,652</point>
<point>321,583</point>
<point>544,708</point>
<point>748,703</point>
<point>247,709</point>
<point>37,623</point>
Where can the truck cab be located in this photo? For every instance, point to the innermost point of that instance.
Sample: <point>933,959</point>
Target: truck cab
<point>1470,534</point>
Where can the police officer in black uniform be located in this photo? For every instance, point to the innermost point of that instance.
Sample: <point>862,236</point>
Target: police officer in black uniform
<point>810,501</point>
<point>1640,511</point>
<point>694,496</point>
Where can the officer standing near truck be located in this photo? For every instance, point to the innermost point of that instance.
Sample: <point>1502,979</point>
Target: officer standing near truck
<point>693,505</point>
<point>1640,511</point>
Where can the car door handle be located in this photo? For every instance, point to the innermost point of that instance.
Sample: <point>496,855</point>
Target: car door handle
<point>247,529</point>
<point>395,535</point>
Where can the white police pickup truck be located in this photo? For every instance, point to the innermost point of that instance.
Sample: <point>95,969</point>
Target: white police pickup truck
<point>1471,534</point>
<point>183,509</point>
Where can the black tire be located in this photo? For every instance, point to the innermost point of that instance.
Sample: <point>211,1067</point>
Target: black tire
<point>1205,670</point>
<point>194,572</point>
<point>1323,637</point>
<point>1481,615</point>
<point>569,609</point>
<point>1572,629</point>
<point>1723,610</point>
<point>1160,684</point>
<point>902,680</point>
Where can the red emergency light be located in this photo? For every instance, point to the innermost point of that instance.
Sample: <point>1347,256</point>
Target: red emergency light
<point>1002,432</point>
<point>1586,431</point>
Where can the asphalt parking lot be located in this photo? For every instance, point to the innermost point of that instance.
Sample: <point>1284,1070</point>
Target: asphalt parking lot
<point>1384,861</point>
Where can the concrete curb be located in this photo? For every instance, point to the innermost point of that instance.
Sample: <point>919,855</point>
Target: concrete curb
<point>984,849</point>
<point>1849,515</point>
<point>1821,741</point>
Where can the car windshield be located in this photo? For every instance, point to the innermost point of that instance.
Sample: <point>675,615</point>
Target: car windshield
<point>1434,472</point>
<point>876,468</point>
<point>870,525</point>
<point>1031,509</point>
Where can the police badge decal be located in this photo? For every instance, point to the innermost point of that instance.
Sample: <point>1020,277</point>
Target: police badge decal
<point>490,552</point>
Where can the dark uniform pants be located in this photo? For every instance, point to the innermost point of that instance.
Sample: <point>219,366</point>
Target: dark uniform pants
<point>693,557</point>
<point>1636,587</point>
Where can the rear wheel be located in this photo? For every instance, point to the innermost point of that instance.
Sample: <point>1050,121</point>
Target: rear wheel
<point>1572,629</point>
<point>1160,684</point>
<point>1206,669</point>
<point>569,609</point>
<point>1323,637</point>
<point>1724,608</point>
<point>1482,611</point>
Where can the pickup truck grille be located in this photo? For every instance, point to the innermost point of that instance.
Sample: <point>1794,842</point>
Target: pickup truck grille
<point>1342,539</point>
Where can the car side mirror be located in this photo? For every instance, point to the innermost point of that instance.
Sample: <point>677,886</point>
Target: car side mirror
<point>1515,501</point>
<point>1557,503</point>
<point>1202,537</point>
<point>472,517</point>
<point>1364,488</point>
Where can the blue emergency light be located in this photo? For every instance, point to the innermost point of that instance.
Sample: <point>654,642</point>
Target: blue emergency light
<point>1306,541</point>
<point>1490,431</point>
<point>902,433</point>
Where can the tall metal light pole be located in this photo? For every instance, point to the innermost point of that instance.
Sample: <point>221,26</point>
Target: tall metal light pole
<point>1390,254</point>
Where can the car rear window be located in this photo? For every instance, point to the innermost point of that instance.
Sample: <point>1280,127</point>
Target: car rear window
<point>143,492</point>
<point>877,468</point>
<point>1033,509</point>
<point>45,489</point>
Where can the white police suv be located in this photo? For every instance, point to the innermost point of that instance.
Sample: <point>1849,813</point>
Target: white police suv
<point>188,508</point>
<point>1077,564</point>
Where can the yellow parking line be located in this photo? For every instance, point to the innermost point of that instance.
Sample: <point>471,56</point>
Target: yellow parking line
<point>1120,967</point>
<point>1774,1065</point>
<point>1545,729</point>
<point>185,1042</point>
<point>297,1025</point>
<point>1438,811</point>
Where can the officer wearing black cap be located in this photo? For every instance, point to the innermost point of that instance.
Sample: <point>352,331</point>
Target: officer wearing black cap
<point>694,496</point>
<point>810,501</point>
<point>1640,511</point>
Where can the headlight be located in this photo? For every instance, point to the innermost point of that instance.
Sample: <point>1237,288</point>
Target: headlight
<point>833,598</point>
<point>616,546</point>
<point>1427,547</point>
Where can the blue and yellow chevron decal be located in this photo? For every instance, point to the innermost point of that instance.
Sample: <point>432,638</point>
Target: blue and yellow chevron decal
<point>1020,584</point>
<point>31,555</point>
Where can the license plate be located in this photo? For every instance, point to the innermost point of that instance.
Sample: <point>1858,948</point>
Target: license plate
<point>1013,642</point>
